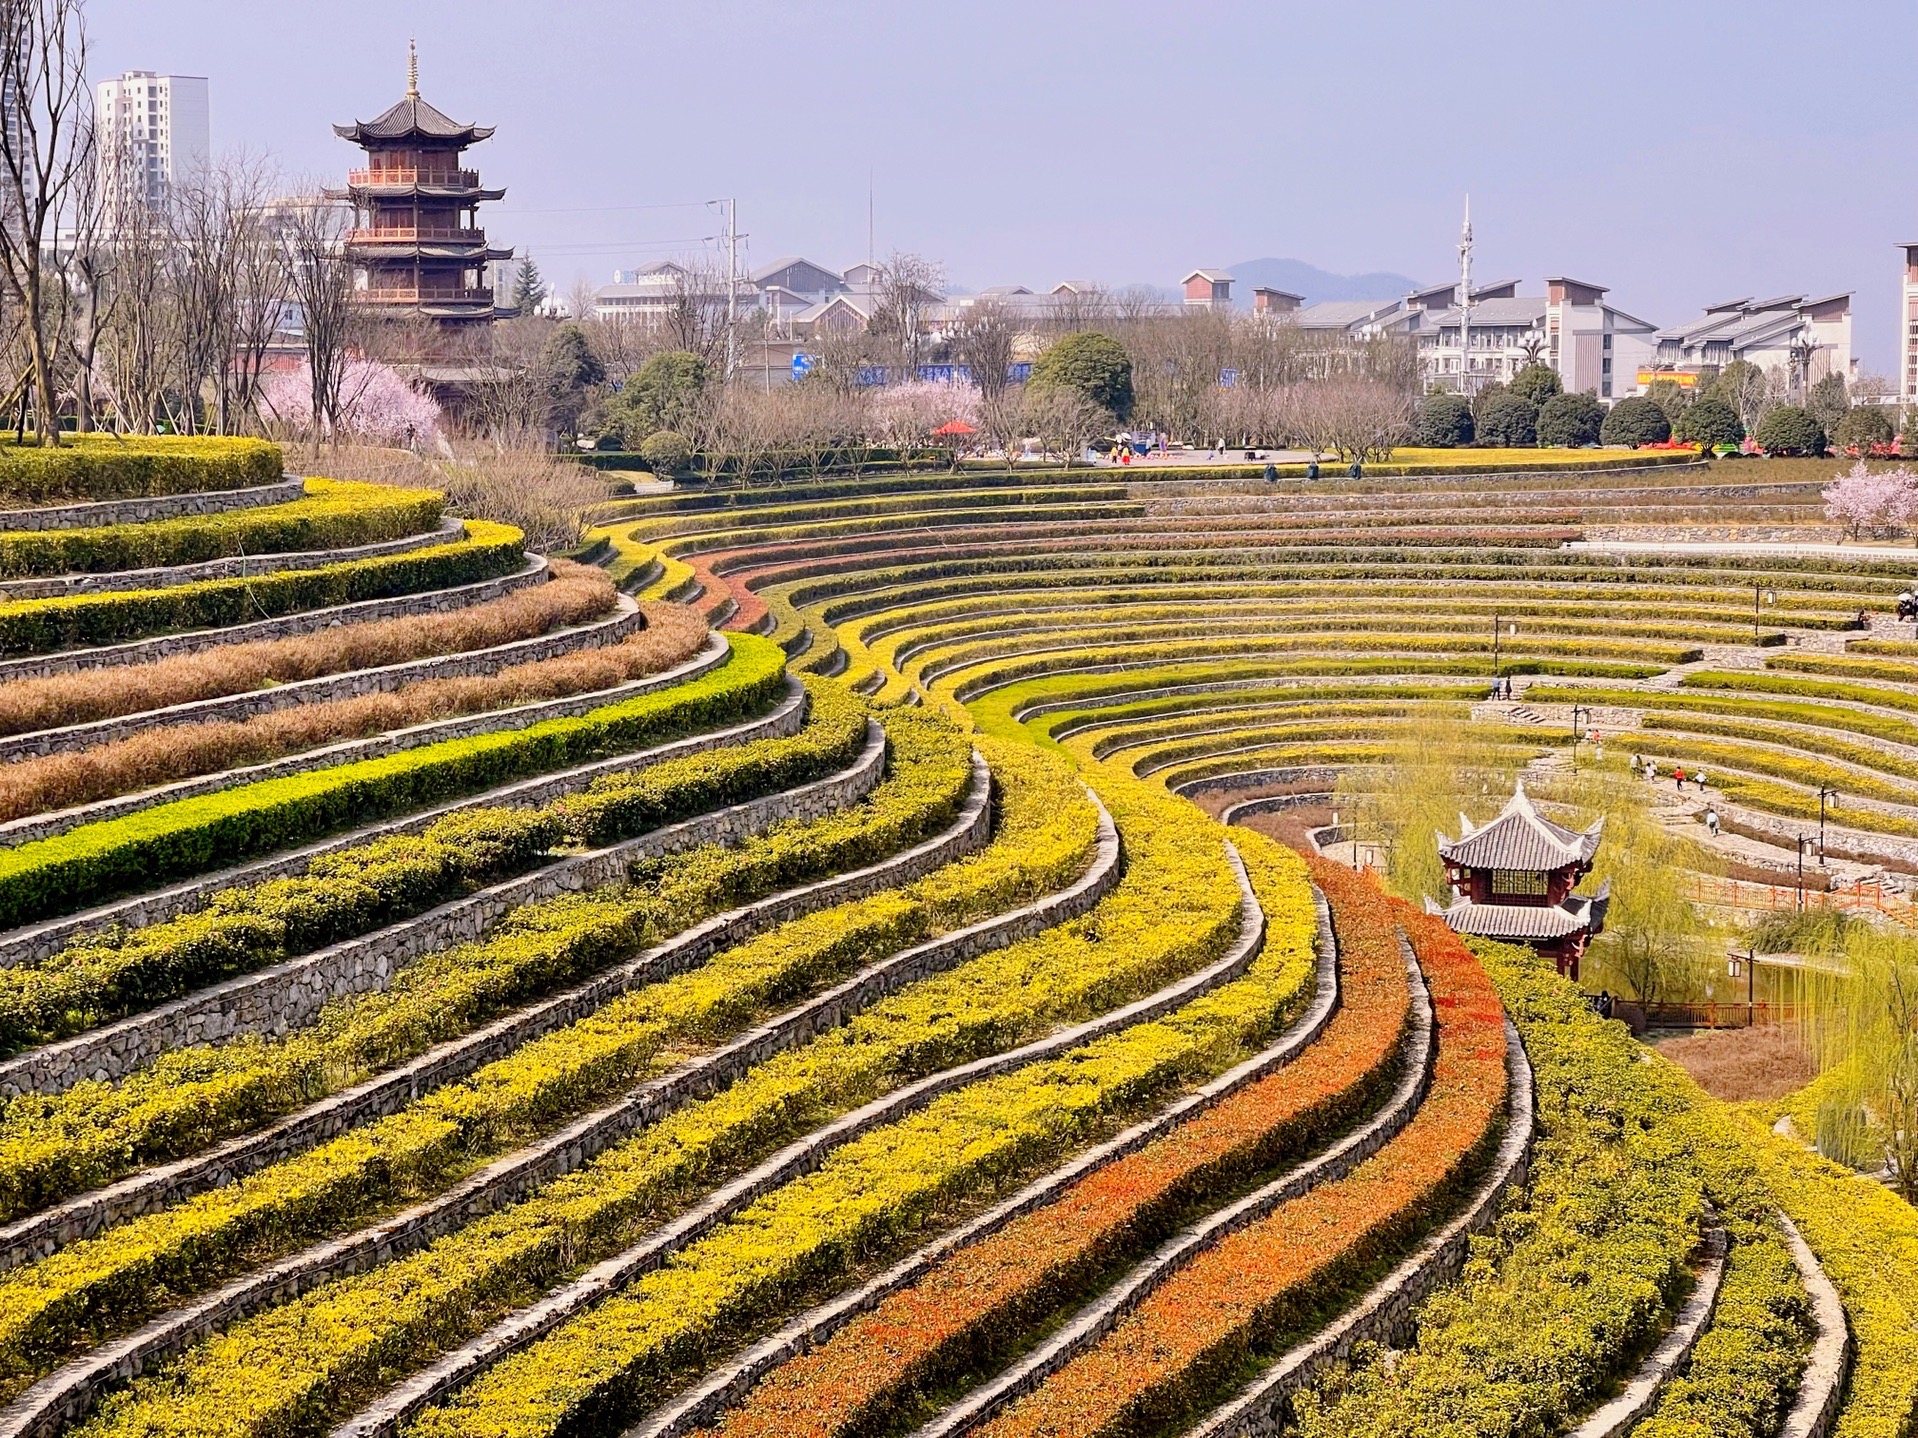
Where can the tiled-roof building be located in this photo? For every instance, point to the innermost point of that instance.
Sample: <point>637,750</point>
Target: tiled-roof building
<point>1512,880</point>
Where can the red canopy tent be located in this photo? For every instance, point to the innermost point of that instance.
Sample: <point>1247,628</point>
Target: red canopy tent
<point>954,428</point>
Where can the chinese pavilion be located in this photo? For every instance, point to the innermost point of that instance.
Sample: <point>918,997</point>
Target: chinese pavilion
<point>1513,878</point>
<point>416,245</point>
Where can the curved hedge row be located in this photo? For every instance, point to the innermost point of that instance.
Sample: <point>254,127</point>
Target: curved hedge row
<point>94,862</point>
<point>334,515</point>
<point>102,466</point>
<point>1581,1276</point>
<point>41,626</point>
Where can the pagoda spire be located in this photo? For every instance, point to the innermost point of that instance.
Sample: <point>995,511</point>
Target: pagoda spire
<point>412,69</point>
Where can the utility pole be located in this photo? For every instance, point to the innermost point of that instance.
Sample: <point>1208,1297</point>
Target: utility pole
<point>732,286</point>
<point>1465,304</point>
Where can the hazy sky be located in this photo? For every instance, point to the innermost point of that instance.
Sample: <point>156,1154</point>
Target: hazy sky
<point>1680,153</point>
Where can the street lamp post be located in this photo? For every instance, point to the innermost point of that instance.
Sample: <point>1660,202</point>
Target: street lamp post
<point>1759,592</point>
<point>1581,719</point>
<point>1825,792</point>
<point>1804,843</point>
<point>1749,962</point>
<point>1499,627</point>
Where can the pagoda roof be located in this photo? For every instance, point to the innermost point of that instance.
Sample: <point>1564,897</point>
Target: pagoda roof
<point>1579,913</point>
<point>412,119</point>
<point>1520,838</point>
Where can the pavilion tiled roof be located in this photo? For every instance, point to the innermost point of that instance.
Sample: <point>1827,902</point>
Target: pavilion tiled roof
<point>1579,913</point>
<point>1520,838</point>
<point>412,118</point>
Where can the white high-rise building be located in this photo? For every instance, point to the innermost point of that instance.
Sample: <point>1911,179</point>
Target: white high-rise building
<point>154,134</point>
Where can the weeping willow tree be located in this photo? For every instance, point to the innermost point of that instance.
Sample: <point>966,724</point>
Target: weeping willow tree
<point>1439,766</point>
<point>1861,1023</point>
<point>1655,940</point>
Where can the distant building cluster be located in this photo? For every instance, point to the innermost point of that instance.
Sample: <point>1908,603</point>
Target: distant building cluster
<point>1592,344</point>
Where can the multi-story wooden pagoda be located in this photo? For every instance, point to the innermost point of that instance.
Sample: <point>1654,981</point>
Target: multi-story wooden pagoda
<point>1512,880</point>
<point>416,245</point>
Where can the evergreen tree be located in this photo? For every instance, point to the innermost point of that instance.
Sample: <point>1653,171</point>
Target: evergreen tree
<point>529,290</point>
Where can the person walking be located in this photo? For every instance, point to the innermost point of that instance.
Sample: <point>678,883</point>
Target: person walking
<point>1711,822</point>
<point>1678,780</point>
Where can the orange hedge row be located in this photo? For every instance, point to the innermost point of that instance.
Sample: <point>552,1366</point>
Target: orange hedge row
<point>982,1298</point>
<point>1207,1325</point>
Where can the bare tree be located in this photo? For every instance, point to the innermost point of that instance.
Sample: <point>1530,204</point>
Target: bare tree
<point>909,285</point>
<point>1071,310</point>
<point>984,342</point>
<point>322,285</point>
<point>140,334</point>
<point>88,266</point>
<point>46,145</point>
<point>695,316</point>
<point>262,288</point>
<point>1065,420</point>
<point>1003,420</point>
<point>581,300</point>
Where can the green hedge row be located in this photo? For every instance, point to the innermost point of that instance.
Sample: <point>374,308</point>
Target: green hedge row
<point>112,1281</point>
<point>92,863</point>
<point>332,516</point>
<point>106,976</point>
<point>1580,1276</point>
<point>41,626</point>
<point>95,1133</point>
<point>94,467</point>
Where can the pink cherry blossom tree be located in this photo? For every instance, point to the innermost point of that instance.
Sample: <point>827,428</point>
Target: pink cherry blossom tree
<point>377,405</point>
<point>1884,502</point>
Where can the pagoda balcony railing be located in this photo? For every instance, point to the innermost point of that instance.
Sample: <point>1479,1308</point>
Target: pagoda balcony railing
<point>409,295</point>
<point>466,179</point>
<point>376,233</point>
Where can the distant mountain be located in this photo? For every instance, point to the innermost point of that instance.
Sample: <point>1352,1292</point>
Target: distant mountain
<point>1299,278</point>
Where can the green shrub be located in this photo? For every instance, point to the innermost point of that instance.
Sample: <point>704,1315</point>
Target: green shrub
<point>41,626</point>
<point>1862,427</point>
<point>1445,422</point>
<point>96,861</point>
<point>1709,422</point>
<point>332,516</point>
<point>99,467</point>
<point>666,452</point>
<point>1635,421</point>
<point>1091,365</point>
<point>1787,429</point>
<point>1570,420</point>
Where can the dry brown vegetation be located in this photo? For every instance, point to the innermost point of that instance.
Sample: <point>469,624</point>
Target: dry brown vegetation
<point>162,756</point>
<point>1762,1063</point>
<point>576,594</point>
<point>546,497</point>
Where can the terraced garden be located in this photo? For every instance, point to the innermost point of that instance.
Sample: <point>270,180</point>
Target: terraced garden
<point>452,991</point>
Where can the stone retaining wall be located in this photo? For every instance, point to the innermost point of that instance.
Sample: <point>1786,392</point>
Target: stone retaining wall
<point>803,1156</point>
<point>702,1405</point>
<point>1386,1313</point>
<point>71,1391</point>
<point>1641,1390</point>
<point>289,995</point>
<point>1821,1390</point>
<point>143,651</point>
<point>626,620</point>
<point>143,511</point>
<point>54,586</point>
<point>36,1236</point>
<point>34,942</point>
<point>1254,778</point>
<point>349,751</point>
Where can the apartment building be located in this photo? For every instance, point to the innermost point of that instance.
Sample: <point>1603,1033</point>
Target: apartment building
<point>154,133</point>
